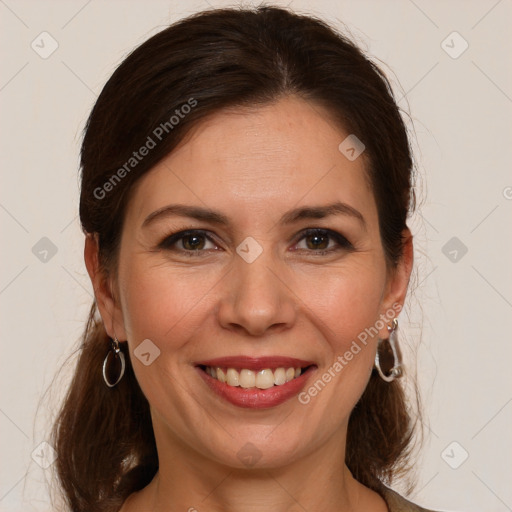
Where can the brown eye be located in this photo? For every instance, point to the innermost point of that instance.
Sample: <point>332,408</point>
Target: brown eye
<point>317,241</point>
<point>322,241</point>
<point>188,241</point>
<point>193,242</point>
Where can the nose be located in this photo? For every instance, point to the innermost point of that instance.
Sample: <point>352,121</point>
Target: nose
<point>256,299</point>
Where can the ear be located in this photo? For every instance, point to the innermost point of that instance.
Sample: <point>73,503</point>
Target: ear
<point>106,300</point>
<point>398,282</point>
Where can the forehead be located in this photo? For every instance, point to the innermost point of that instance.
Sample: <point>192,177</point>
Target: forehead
<point>261,160</point>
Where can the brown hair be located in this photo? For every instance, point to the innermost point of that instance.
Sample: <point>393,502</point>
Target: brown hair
<point>213,60</point>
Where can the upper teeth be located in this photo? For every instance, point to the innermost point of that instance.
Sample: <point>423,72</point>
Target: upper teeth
<point>262,379</point>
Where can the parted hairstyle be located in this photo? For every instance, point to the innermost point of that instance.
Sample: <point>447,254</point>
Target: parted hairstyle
<point>194,68</point>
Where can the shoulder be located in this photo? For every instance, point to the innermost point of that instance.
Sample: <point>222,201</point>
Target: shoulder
<point>397,503</point>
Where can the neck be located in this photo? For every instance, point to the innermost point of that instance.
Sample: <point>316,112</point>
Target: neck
<point>189,481</point>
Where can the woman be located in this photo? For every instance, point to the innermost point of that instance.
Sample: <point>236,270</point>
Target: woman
<point>246,180</point>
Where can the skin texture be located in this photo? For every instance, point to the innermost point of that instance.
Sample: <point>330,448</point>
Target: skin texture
<point>253,167</point>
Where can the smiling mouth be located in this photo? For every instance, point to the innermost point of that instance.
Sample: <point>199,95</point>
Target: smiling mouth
<point>256,382</point>
<point>254,379</point>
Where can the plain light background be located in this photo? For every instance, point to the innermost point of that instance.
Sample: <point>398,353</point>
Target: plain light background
<point>461,106</point>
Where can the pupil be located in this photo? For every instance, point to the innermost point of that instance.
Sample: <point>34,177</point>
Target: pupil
<point>319,241</point>
<point>193,242</point>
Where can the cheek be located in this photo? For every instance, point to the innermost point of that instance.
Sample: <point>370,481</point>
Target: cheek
<point>345,312</point>
<point>166,306</point>
<point>340,303</point>
<point>345,307</point>
<point>159,301</point>
<point>346,301</point>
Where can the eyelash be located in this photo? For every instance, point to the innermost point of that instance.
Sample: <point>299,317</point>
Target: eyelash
<point>342,242</point>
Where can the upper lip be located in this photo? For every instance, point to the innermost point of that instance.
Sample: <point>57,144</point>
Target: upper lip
<point>256,363</point>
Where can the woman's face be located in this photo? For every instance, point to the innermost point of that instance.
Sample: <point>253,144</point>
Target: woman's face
<point>281,266</point>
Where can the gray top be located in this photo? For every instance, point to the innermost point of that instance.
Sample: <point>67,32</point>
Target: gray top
<point>397,503</point>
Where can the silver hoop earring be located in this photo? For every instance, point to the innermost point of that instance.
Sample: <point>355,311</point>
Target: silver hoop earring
<point>113,364</point>
<point>385,354</point>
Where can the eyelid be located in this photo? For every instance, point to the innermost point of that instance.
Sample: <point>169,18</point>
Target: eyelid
<point>169,240</point>
<point>341,240</point>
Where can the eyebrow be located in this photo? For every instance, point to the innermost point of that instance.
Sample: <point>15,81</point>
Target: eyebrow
<point>194,212</point>
<point>295,215</point>
<point>319,212</point>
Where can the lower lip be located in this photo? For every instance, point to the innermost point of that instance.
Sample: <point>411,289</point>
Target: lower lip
<point>255,398</point>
